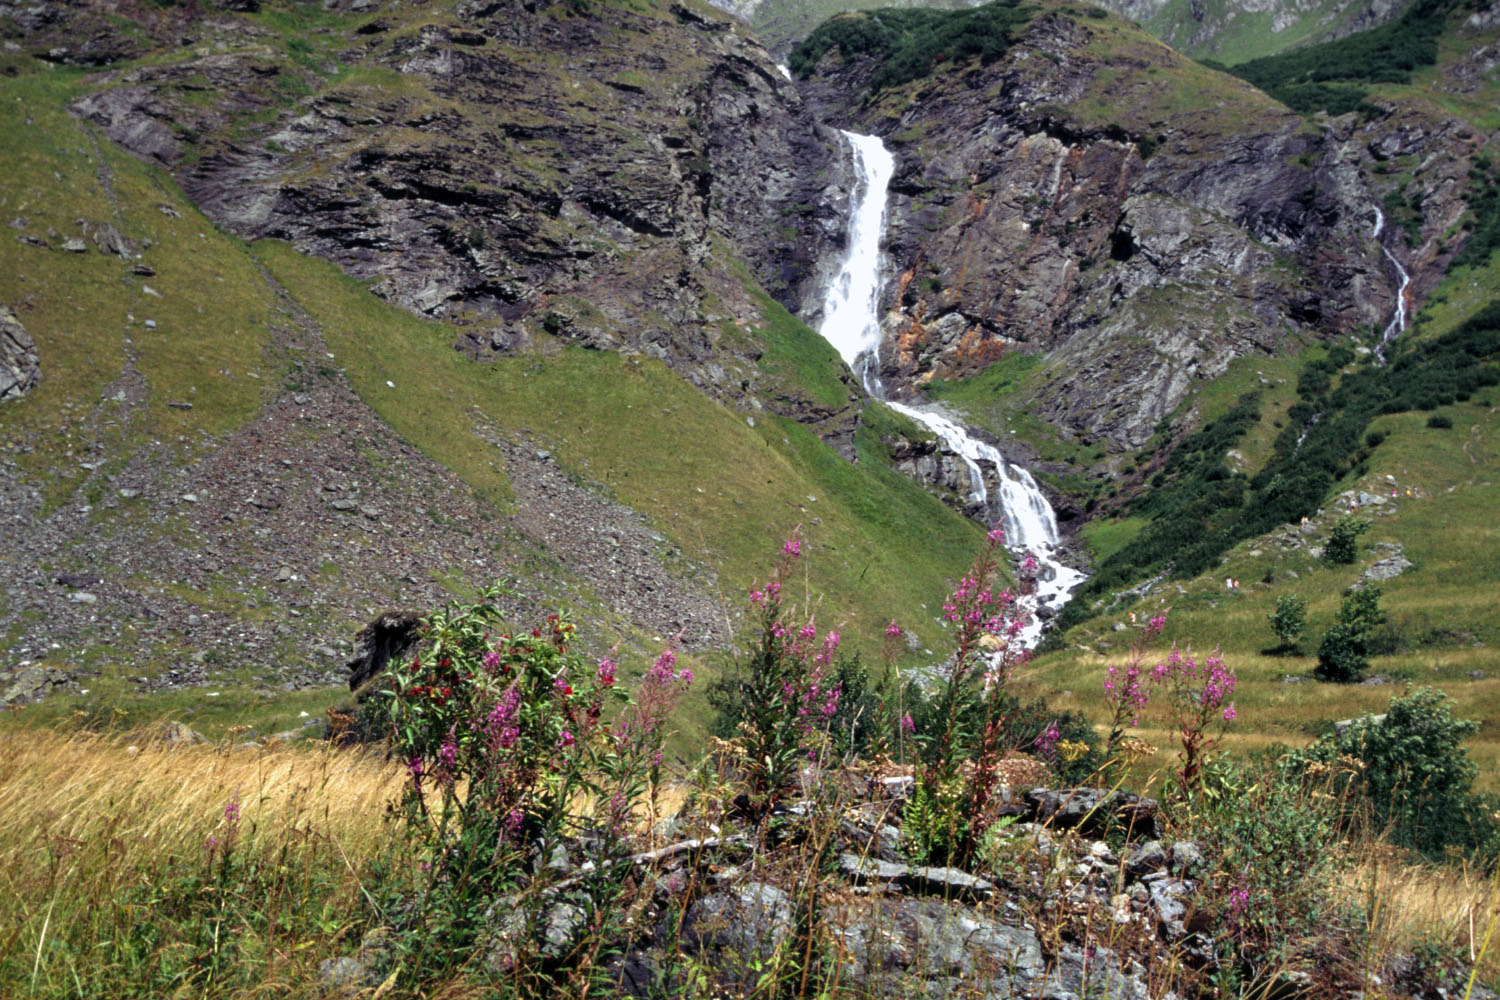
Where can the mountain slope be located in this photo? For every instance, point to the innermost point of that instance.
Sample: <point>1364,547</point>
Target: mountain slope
<point>236,454</point>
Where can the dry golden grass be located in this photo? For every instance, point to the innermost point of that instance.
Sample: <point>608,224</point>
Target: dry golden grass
<point>1411,906</point>
<point>152,796</point>
<point>92,825</point>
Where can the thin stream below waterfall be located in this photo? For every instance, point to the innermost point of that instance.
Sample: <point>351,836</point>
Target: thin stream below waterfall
<point>851,323</point>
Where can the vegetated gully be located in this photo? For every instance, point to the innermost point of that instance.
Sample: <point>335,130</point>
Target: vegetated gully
<point>1395,327</point>
<point>851,323</point>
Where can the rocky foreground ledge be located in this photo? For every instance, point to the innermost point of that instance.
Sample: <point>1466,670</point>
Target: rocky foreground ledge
<point>1078,898</point>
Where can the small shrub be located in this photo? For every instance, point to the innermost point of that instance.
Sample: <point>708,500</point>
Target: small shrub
<point>1439,421</point>
<point>1342,547</point>
<point>1268,834</point>
<point>1289,621</point>
<point>950,808</point>
<point>1343,655</point>
<point>509,753</point>
<point>1411,779</point>
<point>781,701</point>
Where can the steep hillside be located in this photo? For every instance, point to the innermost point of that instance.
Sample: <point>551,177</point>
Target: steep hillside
<point>221,457</point>
<point>1229,31</point>
<point>1089,228</point>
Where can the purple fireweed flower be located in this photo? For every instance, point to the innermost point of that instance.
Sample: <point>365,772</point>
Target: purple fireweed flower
<point>606,674</point>
<point>232,811</point>
<point>1047,742</point>
<point>685,675</point>
<point>662,670</point>
<point>1229,713</point>
<point>1239,903</point>
<point>996,536</point>
<point>757,597</point>
<point>448,754</point>
<point>892,630</point>
<point>566,739</point>
<point>793,546</point>
<point>492,660</point>
<point>807,632</point>
<point>907,725</point>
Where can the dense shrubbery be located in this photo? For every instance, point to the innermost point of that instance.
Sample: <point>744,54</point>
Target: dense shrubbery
<point>1328,77</point>
<point>910,42</point>
<point>1202,509</point>
<point>1405,776</point>
<point>1484,225</point>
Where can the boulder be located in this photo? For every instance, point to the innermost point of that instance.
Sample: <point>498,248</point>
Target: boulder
<point>1093,809</point>
<point>388,637</point>
<point>20,365</point>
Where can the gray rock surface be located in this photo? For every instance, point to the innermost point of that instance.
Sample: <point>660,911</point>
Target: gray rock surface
<point>20,365</point>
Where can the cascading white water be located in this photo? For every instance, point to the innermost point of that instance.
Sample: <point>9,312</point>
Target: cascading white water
<point>1397,325</point>
<point>851,323</point>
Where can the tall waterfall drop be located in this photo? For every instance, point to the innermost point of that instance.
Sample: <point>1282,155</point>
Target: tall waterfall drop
<point>1397,325</point>
<point>851,323</point>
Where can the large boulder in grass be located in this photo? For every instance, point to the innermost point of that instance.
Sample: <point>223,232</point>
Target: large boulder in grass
<point>20,366</point>
<point>1092,810</point>
<point>389,637</point>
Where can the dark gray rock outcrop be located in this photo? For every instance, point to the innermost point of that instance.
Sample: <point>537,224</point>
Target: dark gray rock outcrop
<point>618,181</point>
<point>20,365</point>
<point>1052,203</point>
<point>385,639</point>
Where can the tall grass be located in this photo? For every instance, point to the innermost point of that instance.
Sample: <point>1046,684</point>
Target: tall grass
<point>124,871</point>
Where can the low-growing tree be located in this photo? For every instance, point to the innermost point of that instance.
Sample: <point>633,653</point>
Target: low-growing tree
<point>1406,775</point>
<point>1342,547</point>
<point>1343,655</point>
<point>1289,622</point>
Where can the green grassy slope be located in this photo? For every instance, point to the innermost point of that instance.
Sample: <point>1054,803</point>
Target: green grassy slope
<point>718,486</point>
<point>1442,627</point>
<point>723,487</point>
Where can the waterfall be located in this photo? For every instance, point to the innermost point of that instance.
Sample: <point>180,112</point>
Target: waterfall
<point>851,323</point>
<point>1397,324</point>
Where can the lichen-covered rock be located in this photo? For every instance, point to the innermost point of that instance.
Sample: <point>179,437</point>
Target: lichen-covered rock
<point>20,365</point>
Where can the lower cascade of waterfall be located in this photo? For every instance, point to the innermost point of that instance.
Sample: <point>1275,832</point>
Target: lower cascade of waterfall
<point>851,323</point>
<point>1397,325</point>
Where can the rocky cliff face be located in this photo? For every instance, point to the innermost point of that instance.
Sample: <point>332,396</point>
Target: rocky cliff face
<point>1137,220</point>
<point>20,368</point>
<point>529,169</point>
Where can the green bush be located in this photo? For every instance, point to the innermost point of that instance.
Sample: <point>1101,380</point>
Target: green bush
<point>910,42</point>
<point>1267,834</point>
<point>1342,547</point>
<point>1343,655</point>
<point>1289,621</point>
<point>1411,779</point>
<point>1439,421</point>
